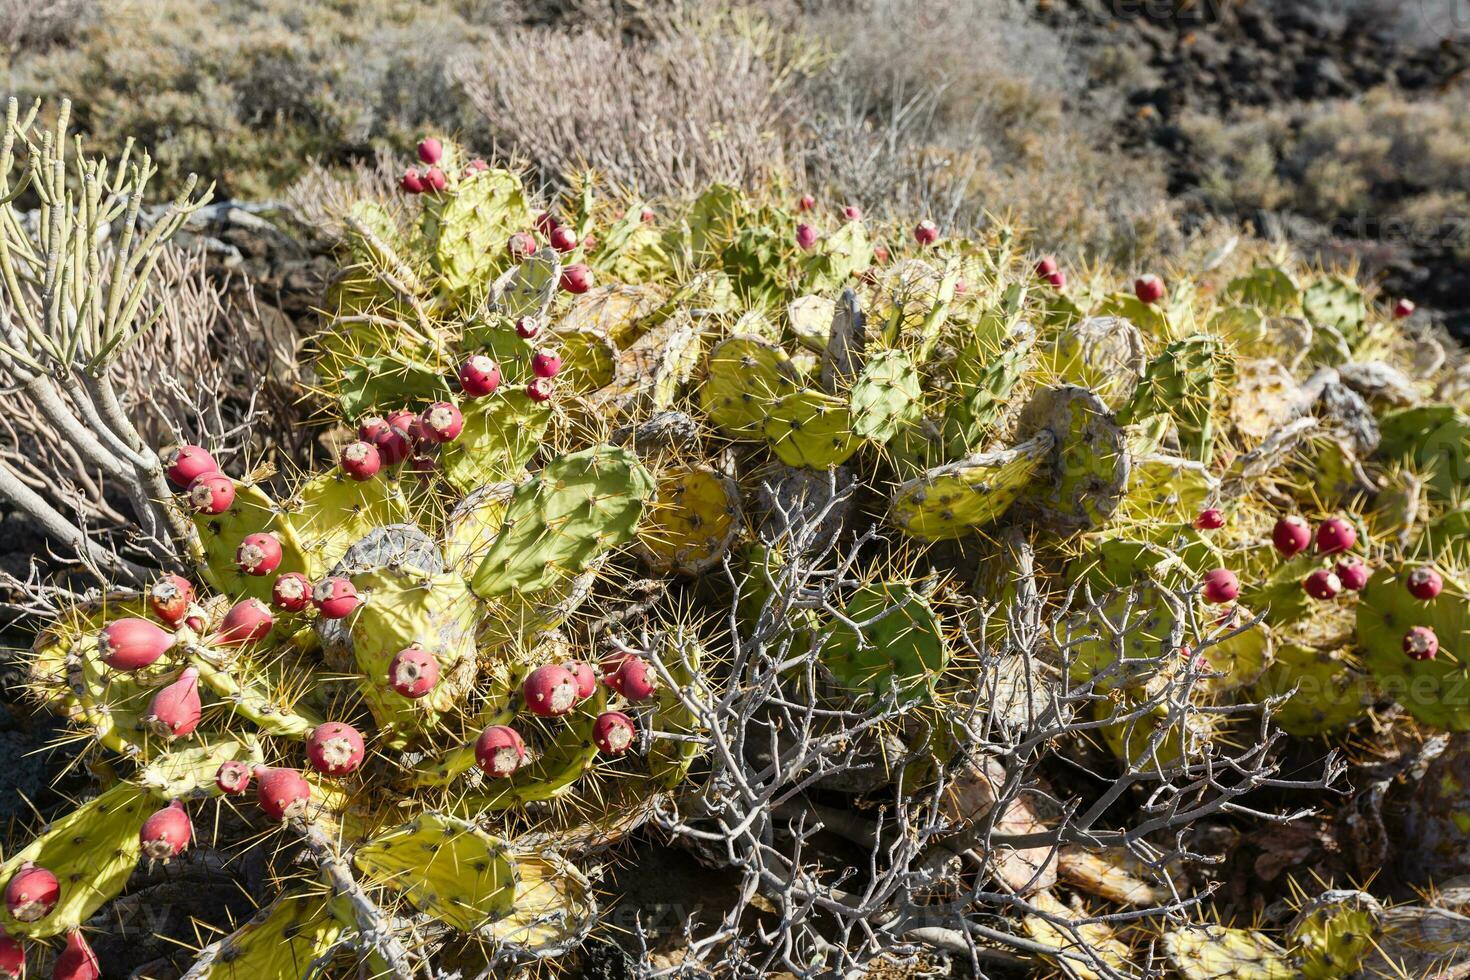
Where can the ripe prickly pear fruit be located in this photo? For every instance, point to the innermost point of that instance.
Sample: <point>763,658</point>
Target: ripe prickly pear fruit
<point>169,598</point>
<point>431,151</point>
<point>562,238</point>
<point>853,212</point>
<point>1057,279</point>
<point>1322,584</point>
<point>545,363</point>
<point>372,428</point>
<point>258,554</point>
<point>1335,536</point>
<point>232,778</point>
<point>634,679</point>
<point>550,691</point>
<point>12,957</point>
<point>281,793</point>
<point>132,644</point>
<point>480,375</point>
<point>806,203</point>
<point>1149,289</point>
<point>806,237</point>
<point>434,179</point>
<point>77,961</point>
<point>185,464</point>
<point>1220,586</point>
<point>613,732</point>
<point>647,216</point>
<point>335,749</point>
<point>291,592</point>
<point>527,327</point>
<point>585,676</point>
<point>335,597</point>
<point>499,750</point>
<point>441,422</point>
<point>246,622</point>
<point>413,672</point>
<point>521,245</point>
<point>1291,536</point>
<point>1210,519</point>
<point>576,278</point>
<point>1421,643</point>
<point>1424,583</point>
<point>539,390</point>
<point>361,460</point>
<point>1045,266</point>
<point>212,493</point>
<point>166,833</point>
<point>1404,309</point>
<point>412,181</point>
<point>546,223</point>
<point>392,438</point>
<point>174,711</point>
<point>31,893</point>
<point>926,232</point>
<point>880,254</point>
<point>1352,572</point>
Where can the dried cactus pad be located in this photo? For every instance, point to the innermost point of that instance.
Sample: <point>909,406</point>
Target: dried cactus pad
<point>1089,461</point>
<point>445,867</point>
<point>1437,692</point>
<point>951,501</point>
<point>692,521</point>
<point>1208,952</point>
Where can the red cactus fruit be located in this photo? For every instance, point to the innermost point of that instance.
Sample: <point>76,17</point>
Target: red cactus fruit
<point>1045,266</point>
<point>634,679</point>
<point>499,750</point>
<point>291,592</point>
<point>1352,572</point>
<point>806,203</point>
<point>585,676</point>
<point>1424,583</point>
<point>247,621</point>
<point>853,212</point>
<point>1058,279</point>
<point>480,375</point>
<point>880,254</point>
<point>174,711</point>
<point>185,464</point>
<point>1291,535</point>
<point>576,278</point>
<point>1210,519</point>
<point>77,961</point>
<point>1149,289</point>
<point>335,749</point>
<point>434,179</point>
<point>411,181</point>
<point>563,239</point>
<point>233,777</point>
<point>132,643</point>
<point>539,390</point>
<point>391,438</point>
<point>545,363</point>
<point>413,672</point>
<point>212,493</point>
<point>926,232</point>
<point>1220,586</point>
<point>527,327</point>
<point>169,598</point>
<point>806,237</point>
<point>1322,584</point>
<point>431,151</point>
<point>521,245</point>
<point>12,957</point>
<point>1335,536</point>
<point>546,223</point>
<point>166,833</point>
<point>372,428</point>
<point>613,732</point>
<point>647,216</point>
<point>1420,643</point>
<point>550,690</point>
<point>258,554</point>
<point>1404,309</point>
<point>281,793</point>
<point>361,460</point>
<point>31,893</point>
<point>335,597</point>
<point>441,422</point>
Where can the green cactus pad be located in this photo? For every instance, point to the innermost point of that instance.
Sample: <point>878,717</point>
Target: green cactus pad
<point>470,225</point>
<point>186,772</point>
<point>1336,302</point>
<point>1437,692</point>
<point>1089,459</point>
<point>552,773</point>
<point>692,521</point>
<point>252,512</point>
<point>251,697</point>
<point>1267,288</point>
<point>714,219</point>
<point>743,376</point>
<point>1123,645</point>
<point>669,760</point>
<point>282,940</point>
<point>1435,440</point>
<point>92,851</point>
<point>986,373</point>
<point>951,501</point>
<point>501,433</point>
<point>885,396</point>
<point>1206,952</point>
<point>809,428</point>
<point>838,257</point>
<point>904,651</point>
<point>1334,933</point>
<point>1166,489</point>
<point>382,383</point>
<point>576,509</point>
<point>1151,741</point>
<point>332,512</point>
<point>553,909</point>
<point>445,867</point>
<point>1183,382</point>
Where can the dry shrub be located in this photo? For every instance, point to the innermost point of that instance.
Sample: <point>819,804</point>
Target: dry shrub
<point>37,24</point>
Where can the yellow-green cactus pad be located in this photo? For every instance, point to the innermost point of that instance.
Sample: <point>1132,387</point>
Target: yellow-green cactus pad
<point>1166,489</point>
<point>810,428</point>
<point>742,377</point>
<point>1089,461</point>
<point>1101,353</point>
<point>1334,933</point>
<point>885,396</point>
<point>647,375</point>
<point>691,522</point>
<point>92,850</point>
<point>614,311</point>
<point>501,433</point>
<point>899,645</point>
<point>1150,741</point>
<point>252,512</point>
<point>1206,952</point>
<point>555,769</point>
<point>269,699</point>
<point>1330,693</point>
<point>810,318</point>
<point>473,525</point>
<point>668,759</point>
<point>445,867</point>
<point>552,911</point>
<point>589,360</point>
<point>1435,440</point>
<point>185,772</point>
<point>1266,397</point>
<point>1337,302</point>
<point>1266,288</point>
<point>332,512</point>
<point>471,224</point>
<point>1123,644</point>
<point>529,288</point>
<point>281,940</point>
<point>951,501</point>
<point>1433,691</point>
<point>1099,941</point>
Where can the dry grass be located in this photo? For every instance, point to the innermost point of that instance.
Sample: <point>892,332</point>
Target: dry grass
<point>37,24</point>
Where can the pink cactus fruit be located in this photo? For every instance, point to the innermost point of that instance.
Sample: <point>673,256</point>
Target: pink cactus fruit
<point>390,437</point>
<point>853,213</point>
<point>521,245</point>
<point>335,597</point>
<point>1291,535</point>
<point>259,553</point>
<point>540,389</point>
<point>550,690</point>
<point>174,711</point>
<point>291,592</point>
<point>1149,289</point>
<point>170,597</point>
<point>412,182</point>
<point>1045,266</point>
<point>926,233</point>
<point>361,460</point>
<point>281,793</point>
<point>31,893</point>
<point>431,151</point>
<point>585,676</point>
<point>434,179</point>
<point>335,749</point>
<point>247,621</point>
<point>1352,572</point>
<point>413,672</point>
<point>576,278</point>
<point>212,493</point>
<point>185,464</point>
<point>132,643</point>
<point>479,376</point>
<point>613,732</point>
<point>1421,643</point>
<point>166,833</point>
<point>806,202</point>
<point>233,777</point>
<point>77,961</point>
<point>1221,586</point>
<point>499,751</point>
<point>1335,535</point>
<point>562,238</point>
<point>12,957</point>
<point>545,363</point>
<point>647,216</point>
<point>441,422</point>
<point>527,327</point>
<point>1404,309</point>
<point>1322,584</point>
<point>1210,519</point>
<point>634,679</point>
<point>1424,583</point>
<point>806,237</point>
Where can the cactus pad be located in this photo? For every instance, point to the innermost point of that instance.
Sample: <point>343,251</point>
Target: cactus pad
<point>1089,461</point>
<point>1437,691</point>
<point>445,867</point>
<point>951,501</point>
<point>691,522</point>
<point>809,428</point>
<point>1216,953</point>
<point>885,396</point>
<point>282,940</point>
<point>743,376</point>
<point>900,646</point>
<point>501,434</point>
